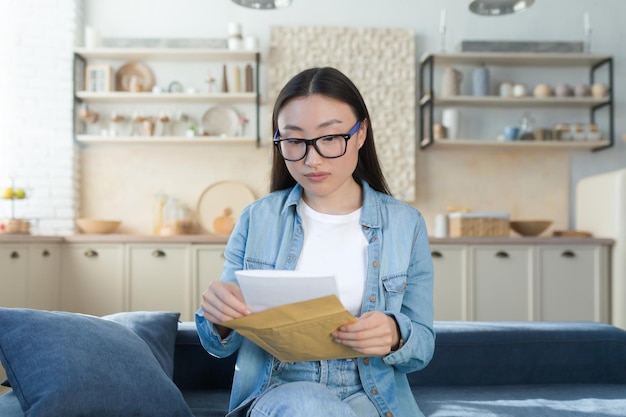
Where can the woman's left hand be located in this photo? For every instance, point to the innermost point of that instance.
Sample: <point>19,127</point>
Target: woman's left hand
<point>375,333</point>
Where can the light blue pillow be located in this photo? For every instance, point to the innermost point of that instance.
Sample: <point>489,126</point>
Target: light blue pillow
<point>69,364</point>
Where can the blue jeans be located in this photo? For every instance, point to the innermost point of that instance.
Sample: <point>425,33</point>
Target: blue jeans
<point>318,388</point>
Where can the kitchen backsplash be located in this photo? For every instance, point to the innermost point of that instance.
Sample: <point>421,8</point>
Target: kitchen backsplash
<point>119,182</point>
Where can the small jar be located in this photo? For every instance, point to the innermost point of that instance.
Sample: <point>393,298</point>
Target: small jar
<point>506,89</point>
<point>520,90</point>
<point>527,128</point>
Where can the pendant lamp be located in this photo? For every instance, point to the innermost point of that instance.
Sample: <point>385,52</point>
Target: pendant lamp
<point>499,7</point>
<point>263,4</point>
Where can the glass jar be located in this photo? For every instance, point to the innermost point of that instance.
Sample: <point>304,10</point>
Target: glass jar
<point>157,212</point>
<point>527,128</point>
<point>168,226</point>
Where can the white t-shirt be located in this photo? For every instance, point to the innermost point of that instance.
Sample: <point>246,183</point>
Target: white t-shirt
<point>335,244</point>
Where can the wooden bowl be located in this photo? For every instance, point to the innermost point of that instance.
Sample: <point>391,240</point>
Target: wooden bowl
<point>96,226</point>
<point>529,227</point>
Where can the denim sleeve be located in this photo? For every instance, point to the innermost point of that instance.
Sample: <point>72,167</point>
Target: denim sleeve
<point>415,318</point>
<point>211,340</point>
<point>234,254</point>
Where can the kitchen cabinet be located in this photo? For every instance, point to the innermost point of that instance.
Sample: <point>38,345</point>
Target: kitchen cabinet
<point>173,62</point>
<point>13,279</point>
<point>44,276</point>
<point>450,282</point>
<point>208,261</point>
<point>509,279</point>
<point>104,278</point>
<point>30,275</point>
<point>92,280</point>
<point>430,100</point>
<point>501,283</point>
<point>159,279</point>
<point>573,283</point>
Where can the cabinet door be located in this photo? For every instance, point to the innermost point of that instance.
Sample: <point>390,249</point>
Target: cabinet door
<point>92,280</point>
<point>158,277</point>
<point>208,262</point>
<point>450,263</point>
<point>13,275</point>
<point>44,276</point>
<point>573,283</point>
<point>502,283</point>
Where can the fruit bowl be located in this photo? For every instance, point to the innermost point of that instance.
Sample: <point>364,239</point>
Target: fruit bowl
<point>96,226</point>
<point>530,227</point>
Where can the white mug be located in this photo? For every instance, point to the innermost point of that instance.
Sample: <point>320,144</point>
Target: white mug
<point>450,118</point>
<point>441,225</point>
<point>92,37</point>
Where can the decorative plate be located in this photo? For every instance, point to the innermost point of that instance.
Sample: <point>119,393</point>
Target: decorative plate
<point>220,205</point>
<point>124,75</point>
<point>221,120</point>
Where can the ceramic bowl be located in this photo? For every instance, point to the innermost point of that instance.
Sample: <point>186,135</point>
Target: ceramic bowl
<point>97,226</point>
<point>529,227</point>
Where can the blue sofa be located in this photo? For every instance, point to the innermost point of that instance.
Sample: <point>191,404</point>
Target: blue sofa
<point>481,369</point>
<point>537,369</point>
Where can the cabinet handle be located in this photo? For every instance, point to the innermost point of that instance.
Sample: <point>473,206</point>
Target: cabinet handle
<point>90,253</point>
<point>568,254</point>
<point>502,254</point>
<point>436,254</point>
<point>158,253</point>
<point>15,255</point>
<point>45,253</point>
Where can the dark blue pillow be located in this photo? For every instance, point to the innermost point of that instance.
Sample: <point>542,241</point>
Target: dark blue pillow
<point>157,329</point>
<point>69,364</point>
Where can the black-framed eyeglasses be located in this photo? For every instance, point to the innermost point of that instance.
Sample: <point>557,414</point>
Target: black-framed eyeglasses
<point>327,146</point>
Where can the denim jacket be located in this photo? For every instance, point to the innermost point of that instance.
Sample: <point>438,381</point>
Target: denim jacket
<point>269,235</point>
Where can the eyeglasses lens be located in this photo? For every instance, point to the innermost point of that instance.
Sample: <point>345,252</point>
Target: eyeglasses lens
<point>327,147</point>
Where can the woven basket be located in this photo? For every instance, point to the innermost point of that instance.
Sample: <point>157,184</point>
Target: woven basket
<point>475,225</point>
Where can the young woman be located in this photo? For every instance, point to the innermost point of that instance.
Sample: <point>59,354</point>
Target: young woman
<point>329,210</point>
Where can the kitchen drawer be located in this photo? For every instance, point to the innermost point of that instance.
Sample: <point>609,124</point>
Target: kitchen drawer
<point>92,280</point>
<point>502,283</point>
<point>13,276</point>
<point>208,262</point>
<point>158,278</point>
<point>573,285</point>
<point>450,283</point>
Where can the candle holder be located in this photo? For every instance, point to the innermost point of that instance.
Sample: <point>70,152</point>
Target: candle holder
<point>587,32</point>
<point>442,30</point>
<point>587,41</point>
<point>442,39</point>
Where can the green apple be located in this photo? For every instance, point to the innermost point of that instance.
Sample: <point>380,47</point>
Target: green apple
<point>20,193</point>
<point>7,193</point>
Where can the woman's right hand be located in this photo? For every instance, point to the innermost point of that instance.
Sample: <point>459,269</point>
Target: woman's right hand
<point>223,301</point>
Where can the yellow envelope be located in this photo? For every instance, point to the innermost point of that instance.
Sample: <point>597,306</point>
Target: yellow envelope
<point>298,331</point>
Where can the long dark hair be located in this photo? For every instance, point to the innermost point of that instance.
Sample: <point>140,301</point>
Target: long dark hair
<point>332,83</point>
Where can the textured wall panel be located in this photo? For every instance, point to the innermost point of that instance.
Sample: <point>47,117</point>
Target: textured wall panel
<point>381,62</point>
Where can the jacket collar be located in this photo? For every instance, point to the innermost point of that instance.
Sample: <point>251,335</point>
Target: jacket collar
<point>370,215</point>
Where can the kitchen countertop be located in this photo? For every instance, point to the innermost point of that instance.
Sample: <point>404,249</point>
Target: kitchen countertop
<point>540,240</point>
<point>205,238</point>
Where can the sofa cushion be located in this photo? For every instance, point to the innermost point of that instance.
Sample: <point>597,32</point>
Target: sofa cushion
<point>69,364</point>
<point>194,368</point>
<point>497,353</point>
<point>157,329</point>
<point>559,400</point>
<point>207,403</point>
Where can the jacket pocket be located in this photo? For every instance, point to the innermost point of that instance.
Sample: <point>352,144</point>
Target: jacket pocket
<point>394,287</point>
<point>253,263</point>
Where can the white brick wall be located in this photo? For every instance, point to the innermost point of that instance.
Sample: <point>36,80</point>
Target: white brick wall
<point>36,143</point>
